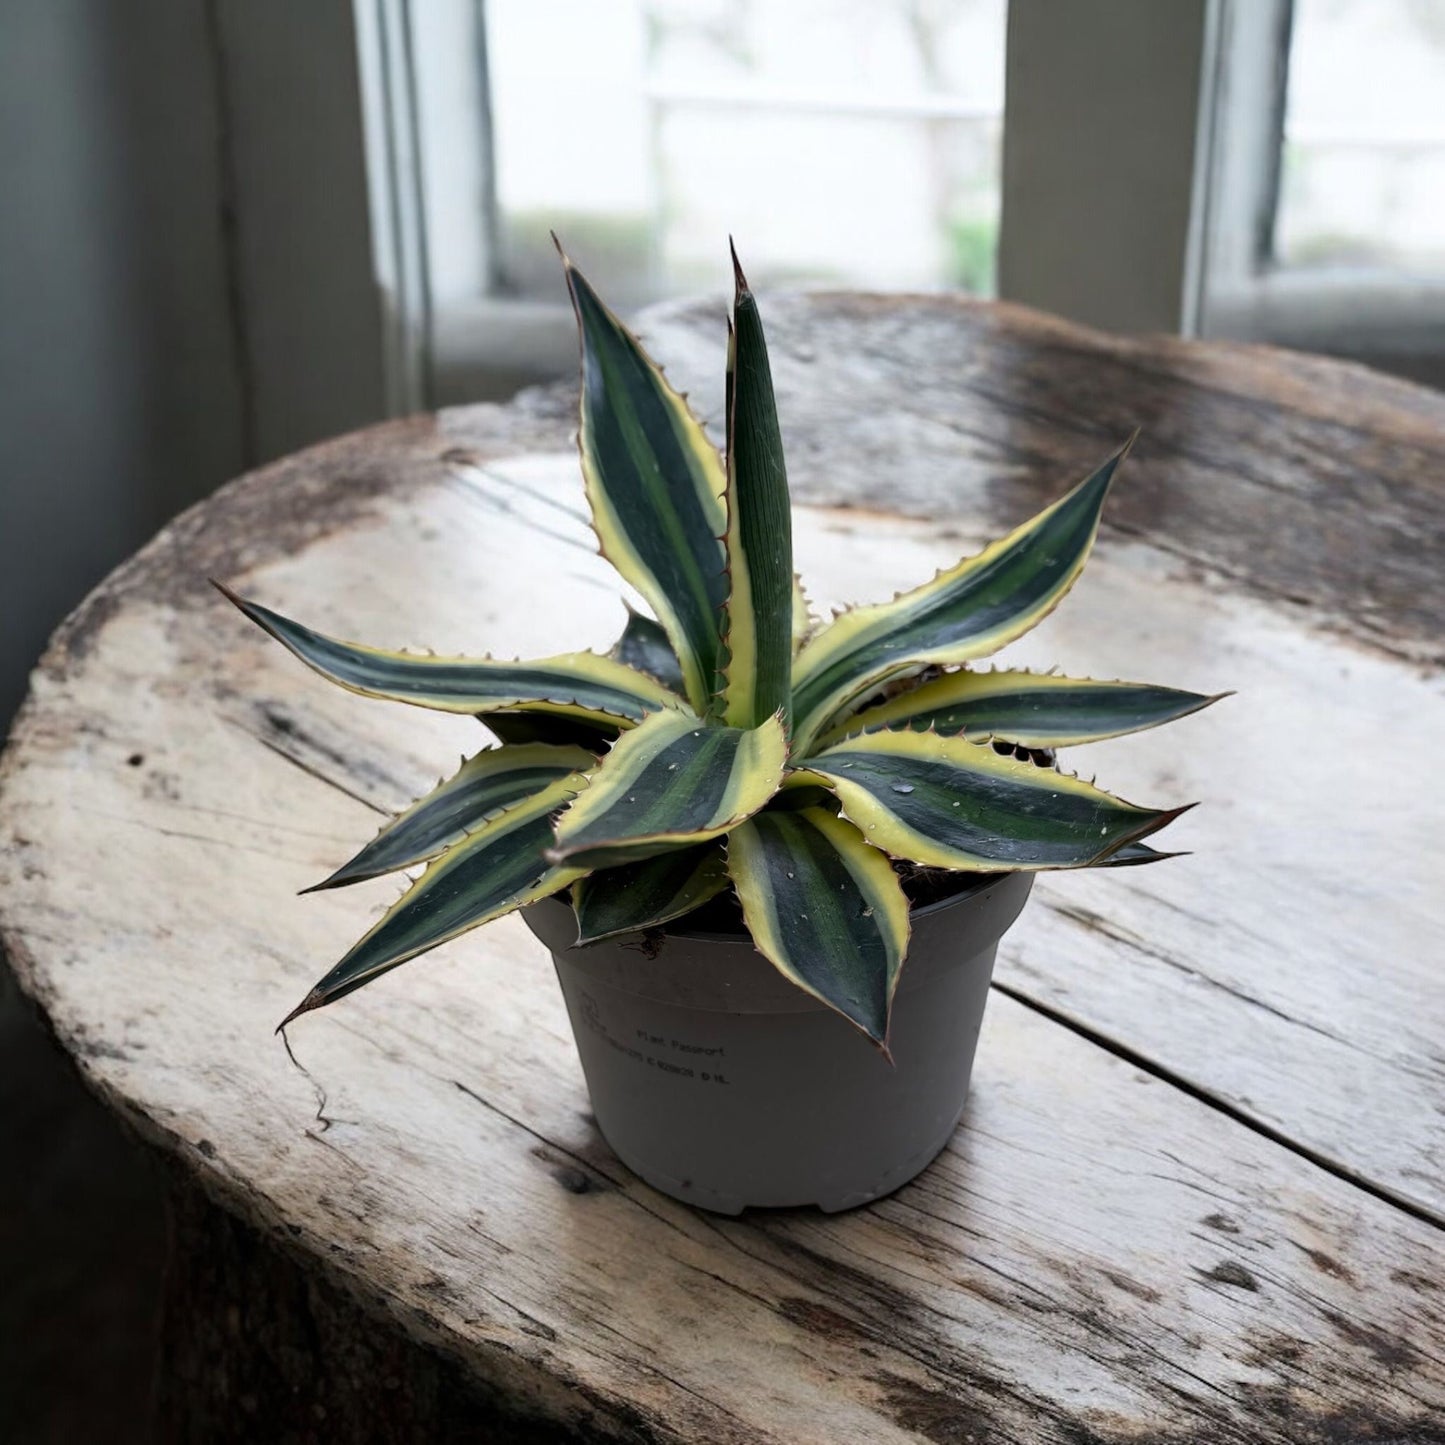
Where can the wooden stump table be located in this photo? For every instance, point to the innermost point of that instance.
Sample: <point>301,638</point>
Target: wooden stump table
<point>1199,1190</point>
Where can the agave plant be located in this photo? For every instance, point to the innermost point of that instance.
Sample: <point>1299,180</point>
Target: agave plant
<point>732,742</point>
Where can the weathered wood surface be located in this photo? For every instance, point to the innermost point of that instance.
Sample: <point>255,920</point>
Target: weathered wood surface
<point>1101,1254</point>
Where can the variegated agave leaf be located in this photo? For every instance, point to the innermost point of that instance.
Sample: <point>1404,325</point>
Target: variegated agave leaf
<point>967,611</point>
<point>1036,709</point>
<point>594,734</point>
<point>644,646</point>
<point>757,656</point>
<point>825,908</point>
<point>486,785</point>
<point>670,782</point>
<point>578,685</point>
<point>655,484</point>
<point>1133,855</point>
<point>947,802</point>
<point>648,893</point>
<point>498,868</point>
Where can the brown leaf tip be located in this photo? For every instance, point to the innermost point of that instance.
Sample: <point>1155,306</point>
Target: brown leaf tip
<point>333,880</point>
<point>234,598</point>
<point>313,1000</point>
<point>740,281</point>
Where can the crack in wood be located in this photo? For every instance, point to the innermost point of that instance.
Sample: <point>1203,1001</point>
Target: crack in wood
<point>1107,928</point>
<point>310,769</point>
<point>1224,1106</point>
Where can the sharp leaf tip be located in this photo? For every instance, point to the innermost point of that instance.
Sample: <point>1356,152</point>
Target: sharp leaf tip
<point>1170,814</point>
<point>739,280</point>
<point>313,1000</point>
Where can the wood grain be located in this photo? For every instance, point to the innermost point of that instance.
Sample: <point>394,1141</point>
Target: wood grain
<point>1101,1255</point>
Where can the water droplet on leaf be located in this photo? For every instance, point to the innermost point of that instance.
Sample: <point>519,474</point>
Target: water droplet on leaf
<point>902,787</point>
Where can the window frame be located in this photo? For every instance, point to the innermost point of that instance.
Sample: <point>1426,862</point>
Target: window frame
<point>1105,100</point>
<point>1390,320</point>
<point>480,344</point>
<point>1103,103</point>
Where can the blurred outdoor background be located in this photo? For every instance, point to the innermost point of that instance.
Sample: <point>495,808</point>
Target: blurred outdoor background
<point>858,142</point>
<point>233,227</point>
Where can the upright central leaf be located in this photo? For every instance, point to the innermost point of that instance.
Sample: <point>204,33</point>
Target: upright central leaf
<point>655,484</point>
<point>671,781</point>
<point>758,618</point>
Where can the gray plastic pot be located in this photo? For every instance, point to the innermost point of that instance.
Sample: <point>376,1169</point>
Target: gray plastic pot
<point>723,1085</point>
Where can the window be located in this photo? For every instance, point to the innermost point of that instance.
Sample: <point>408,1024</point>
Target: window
<point>1362,178</point>
<point>663,125</point>
<point>1325,158</point>
<point>1257,169</point>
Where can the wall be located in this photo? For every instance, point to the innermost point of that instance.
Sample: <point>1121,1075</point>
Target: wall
<point>119,392</point>
<point>120,402</point>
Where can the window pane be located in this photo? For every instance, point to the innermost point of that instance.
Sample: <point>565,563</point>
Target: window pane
<point>1363,180</point>
<point>848,141</point>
